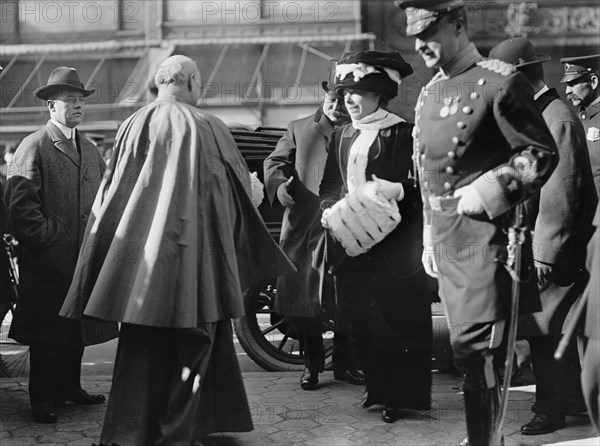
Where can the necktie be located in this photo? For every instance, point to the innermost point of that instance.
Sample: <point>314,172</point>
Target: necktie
<point>73,142</point>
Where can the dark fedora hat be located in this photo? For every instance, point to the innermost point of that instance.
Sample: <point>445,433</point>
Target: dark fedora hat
<point>518,51</point>
<point>62,78</point>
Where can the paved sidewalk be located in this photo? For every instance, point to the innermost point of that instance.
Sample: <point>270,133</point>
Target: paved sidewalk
<point>283,414</point>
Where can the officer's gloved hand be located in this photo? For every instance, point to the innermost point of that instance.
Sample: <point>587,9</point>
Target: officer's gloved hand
<point>389,190</point>
<point>257,189</point>
<point>428,257</point>
<point>470,202</point>
<point>283,194</point>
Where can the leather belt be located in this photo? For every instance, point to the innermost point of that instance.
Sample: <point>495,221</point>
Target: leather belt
<point>439,203</point>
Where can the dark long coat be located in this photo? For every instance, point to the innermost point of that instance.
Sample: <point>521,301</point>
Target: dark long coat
<point>384,292</point>
<point>301,154</point>
<point>561,217</point>
<point>49,194</point>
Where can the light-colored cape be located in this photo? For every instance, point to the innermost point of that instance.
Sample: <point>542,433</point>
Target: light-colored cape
<point>173,239</point>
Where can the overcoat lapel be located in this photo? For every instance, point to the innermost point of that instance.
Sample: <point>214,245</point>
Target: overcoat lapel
<point>62,144</point>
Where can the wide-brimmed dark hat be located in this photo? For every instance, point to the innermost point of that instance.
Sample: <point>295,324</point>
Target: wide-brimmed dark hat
<point>376,71</point>
<point>518,51</point>
<point>62,78</point>
<point>421,14</point>
<point>576,67</point>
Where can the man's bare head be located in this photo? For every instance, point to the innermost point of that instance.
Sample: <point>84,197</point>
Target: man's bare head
<point>179,76</point>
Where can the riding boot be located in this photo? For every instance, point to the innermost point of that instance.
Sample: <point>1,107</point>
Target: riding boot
<point>481,411</point>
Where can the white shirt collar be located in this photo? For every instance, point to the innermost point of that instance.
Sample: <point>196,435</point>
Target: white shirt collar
<point>541,92</point>
<point>67,131</point>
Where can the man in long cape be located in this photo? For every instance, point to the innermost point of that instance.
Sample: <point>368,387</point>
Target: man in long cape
<point>172,242</point>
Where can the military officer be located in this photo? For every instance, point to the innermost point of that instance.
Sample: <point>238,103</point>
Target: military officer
<point>582,78</point>
<point>481,147</point>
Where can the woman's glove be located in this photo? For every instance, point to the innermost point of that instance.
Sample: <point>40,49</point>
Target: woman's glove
<point>257,189</point>
<point>389,190</point>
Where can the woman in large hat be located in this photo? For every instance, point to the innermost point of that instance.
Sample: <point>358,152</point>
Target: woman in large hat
<point>372,210</point>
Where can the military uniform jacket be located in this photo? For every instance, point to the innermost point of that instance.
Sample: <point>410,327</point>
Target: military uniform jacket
<point>49,194</point>
<point>475,122</point>
<point>301,154</point>
<point>561,218</point>
<point>590,117</point>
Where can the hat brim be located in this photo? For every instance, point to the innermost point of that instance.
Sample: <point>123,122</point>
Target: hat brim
<point>45,91</point>
<point>541,58</point>
<point>571,77</point>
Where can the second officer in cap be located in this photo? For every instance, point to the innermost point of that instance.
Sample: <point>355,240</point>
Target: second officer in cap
<point>481,148</point>
<point>582,79</point>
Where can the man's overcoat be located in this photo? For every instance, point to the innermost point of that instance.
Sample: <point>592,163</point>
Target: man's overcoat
<point>49,194</point>
<point>301,154</point>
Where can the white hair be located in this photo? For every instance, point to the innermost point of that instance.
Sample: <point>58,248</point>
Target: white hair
<point>176,70</point>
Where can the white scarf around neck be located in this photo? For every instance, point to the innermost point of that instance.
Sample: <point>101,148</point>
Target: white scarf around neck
<point>358,158</point>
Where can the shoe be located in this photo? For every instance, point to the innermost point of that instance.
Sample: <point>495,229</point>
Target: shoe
<point>44,413</point>
<point>353,376</point>
<point>542,424</point>
<point>391,414</point>
<point>81,397</point>
<point>309,379</point>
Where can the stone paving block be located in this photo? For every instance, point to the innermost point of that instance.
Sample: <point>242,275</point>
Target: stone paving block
<point>451,436</point>
<point>312,396</point>
<point>292,437</point>
<point>256,390</point>
<point>296,425</point>
<point>34,430</point>
<point>373,437</point>
<point>60,437</point>
<point>19,441</point>
<point>75,426</point>
<point>334,430</point>
<point>279,395</point>
<point>94,432</point>
<point>330,441</point>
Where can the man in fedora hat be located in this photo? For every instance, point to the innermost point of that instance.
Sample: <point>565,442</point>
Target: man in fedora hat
<point>582,79</point>
<point>51,185</point>
<point>481,148</point>
<point>561,219</point>
<point>293,173</point>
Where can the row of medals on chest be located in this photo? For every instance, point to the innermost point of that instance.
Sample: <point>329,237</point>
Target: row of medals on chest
<point>451,107</point>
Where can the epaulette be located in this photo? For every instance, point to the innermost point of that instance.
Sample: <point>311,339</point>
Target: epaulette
<point>497,66</point>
